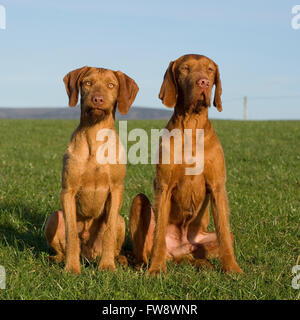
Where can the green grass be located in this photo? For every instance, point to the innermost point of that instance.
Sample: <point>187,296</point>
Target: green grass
<point>263,184</point>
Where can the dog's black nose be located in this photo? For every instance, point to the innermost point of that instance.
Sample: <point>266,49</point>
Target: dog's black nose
<point>98,100</point>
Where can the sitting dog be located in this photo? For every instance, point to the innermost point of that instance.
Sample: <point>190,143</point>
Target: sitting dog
<point>89,222</point>
<point>175,228</point>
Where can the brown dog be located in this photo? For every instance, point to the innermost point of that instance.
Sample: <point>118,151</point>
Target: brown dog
<point>176,227</point>
<point>89,222</point>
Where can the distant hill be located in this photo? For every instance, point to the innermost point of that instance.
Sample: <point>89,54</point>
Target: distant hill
<point>74,113</point>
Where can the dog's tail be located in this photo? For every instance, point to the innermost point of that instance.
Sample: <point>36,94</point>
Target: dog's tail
<point>141,228</point>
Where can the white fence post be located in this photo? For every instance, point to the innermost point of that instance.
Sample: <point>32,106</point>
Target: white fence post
<point>245,108</point>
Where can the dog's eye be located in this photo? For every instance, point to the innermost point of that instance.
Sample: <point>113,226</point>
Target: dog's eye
<point>186,68</point>
<point>88,83</point>
<point>110,85</point>
<point>210,69</point>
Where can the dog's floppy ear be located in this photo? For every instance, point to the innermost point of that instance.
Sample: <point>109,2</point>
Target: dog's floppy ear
<point>218,91</point>
<point>128,90</point>
<point>72,84</point>
<point>168,91</point>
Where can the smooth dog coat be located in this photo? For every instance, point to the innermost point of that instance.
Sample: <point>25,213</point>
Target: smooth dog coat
<point>89,222</point>
<point>175,227</point>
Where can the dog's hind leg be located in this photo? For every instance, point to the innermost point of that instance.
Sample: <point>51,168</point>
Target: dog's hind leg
<point>141,226</point>
<point>120,240</point>
<point>205,220</point>
<point>56,235</point>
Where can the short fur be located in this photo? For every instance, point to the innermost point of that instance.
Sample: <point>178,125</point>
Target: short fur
<point>176,226</point>
<point>89,222</point>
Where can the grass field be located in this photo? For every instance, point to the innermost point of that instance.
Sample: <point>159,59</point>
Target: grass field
<point>263,184</point>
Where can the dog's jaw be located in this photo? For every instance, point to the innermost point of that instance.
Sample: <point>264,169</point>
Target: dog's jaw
<point>91,115</point>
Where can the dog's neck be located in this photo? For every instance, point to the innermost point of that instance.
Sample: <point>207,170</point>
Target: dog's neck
<point>90,124</point>
<point>88,131</point>
<point>189,117</point>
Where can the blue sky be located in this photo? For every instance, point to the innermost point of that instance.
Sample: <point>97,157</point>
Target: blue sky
<point>253,43</point>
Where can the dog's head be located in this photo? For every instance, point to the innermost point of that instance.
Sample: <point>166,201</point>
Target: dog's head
<point>101,91</point>
<point>189,81</point>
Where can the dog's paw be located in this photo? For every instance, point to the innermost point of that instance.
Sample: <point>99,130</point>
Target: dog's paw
<point>73,268</point>
<point>122,260</point>
<point>232,268</point>
<point>107,266</point>
<point>203,264</point>
<point>156,270</point>
<point>57,259</point>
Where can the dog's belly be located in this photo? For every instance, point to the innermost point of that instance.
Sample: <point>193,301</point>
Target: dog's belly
<point>180,244</point>
<point>187,200</point>
<point>91,244</point>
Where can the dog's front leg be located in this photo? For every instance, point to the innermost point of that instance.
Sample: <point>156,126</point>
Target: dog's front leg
<point>162,212</point>
<point>72,240</point>
<point>221,219</point>
<point>109,242</point>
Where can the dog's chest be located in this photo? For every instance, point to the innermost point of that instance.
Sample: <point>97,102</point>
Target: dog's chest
<point>94,174</point>
<point>188,195</point>
<point>93,190</point>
